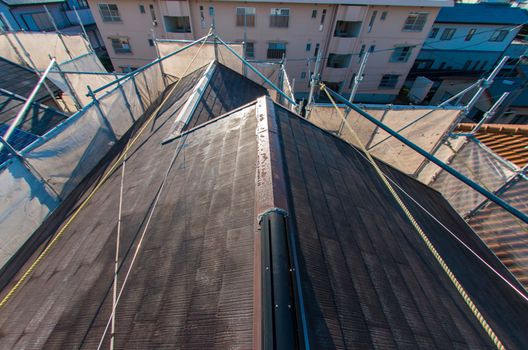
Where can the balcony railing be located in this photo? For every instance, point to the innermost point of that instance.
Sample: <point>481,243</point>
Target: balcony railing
<point>276,53</point>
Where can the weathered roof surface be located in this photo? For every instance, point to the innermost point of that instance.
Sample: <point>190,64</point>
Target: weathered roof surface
<point>482,14</point>
<point>21,80</point>
<point>367,278</point>
<point>510,141</point>
<point>226,90</point>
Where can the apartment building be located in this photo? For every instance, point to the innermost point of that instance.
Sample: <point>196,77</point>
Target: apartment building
<point>295,30</point>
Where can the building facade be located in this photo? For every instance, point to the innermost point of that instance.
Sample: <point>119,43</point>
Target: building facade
<point>295,30</point>
<point>469,38</point>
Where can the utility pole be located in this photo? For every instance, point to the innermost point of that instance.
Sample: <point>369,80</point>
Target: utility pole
<point>313,83</point>
<point>359,77</point>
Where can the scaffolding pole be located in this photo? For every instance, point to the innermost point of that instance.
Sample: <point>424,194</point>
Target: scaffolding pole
<point>76,99</point>
<point>433,159</point>
<point>158,55</point>
<point>57,31</point>
<point>359,77</point>
<point>490,113</point>
<point>48,89</point>
<point>22,113</point>
<point>90,48</point>
<point>314,81</point>
<point>483,85</point>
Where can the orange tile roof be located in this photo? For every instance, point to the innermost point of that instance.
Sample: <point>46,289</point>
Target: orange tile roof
<point>509,141</point>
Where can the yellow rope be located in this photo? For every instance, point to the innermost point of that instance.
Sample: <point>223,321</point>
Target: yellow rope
<point>54,241</point>
<point>422,234</point>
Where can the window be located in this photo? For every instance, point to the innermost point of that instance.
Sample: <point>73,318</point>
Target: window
<point>423,64</point>
<point>388,81</point>
<point>303,75</point>
<point>141,9</point>
<point>323,16</point>
<point>314,13</point>
<point>372,19</point>
<point>467,64</point>
<point>372,48</point>
<point>177,24</point>
<point>250,50</point>
<point>361,52</point>
<point>352,80</point>
<point>153,15</point>
<point>42,21</point>
<point>276,50</point>
<point>127,69</point>
<point>83,4</point>
<point>109,13</point>
<point>401,54</point>
<point>434,33</point>
<point>383,15</point>
<point>470,34</point>
<point>448,34</point>
<point>338,61</point>
<point>308,46</point>
<point>245,16</point>
<point>347,29</point>
<point>316,51</point>
<point>498,35</point>
<point>202,17</point>
<point>415,22</point>
<point>279,17</point>
<point>151,42</point>
<point>121,45</point>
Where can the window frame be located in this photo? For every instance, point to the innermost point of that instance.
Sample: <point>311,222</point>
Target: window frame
<point>276,51</point>
<point>275,14</point>
<point>401,54</point>
<point>250,18</point>
<point>470,34</point>
<point>433,33</point>
<point>112,17</point>
<point>120,50</point>
<point>499,37</point>
<point>252,44</point>
<point>448,34</point>
<point>415,21</point>
<point>388,78</point>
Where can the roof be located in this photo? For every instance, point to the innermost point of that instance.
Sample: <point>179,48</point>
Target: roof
<point>361,277</point>
<point>482,13</point>
<point>30,2</point>
<point>510,141</point>
<point>21,80</point>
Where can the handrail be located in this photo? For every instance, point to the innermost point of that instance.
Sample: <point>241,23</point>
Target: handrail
<point>266,80</point>
<point>141,69</point>
<point>497,200</point>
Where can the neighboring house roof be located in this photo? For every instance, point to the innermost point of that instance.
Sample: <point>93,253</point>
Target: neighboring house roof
<point>21,80</point>
<point>29,2</point>
<point>509,141</point>
<point>482,14</point>
<point>367,278</point>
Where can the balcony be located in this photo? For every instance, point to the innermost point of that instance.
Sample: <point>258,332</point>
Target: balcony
<point>276,53</point>
<point>84,14</point>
